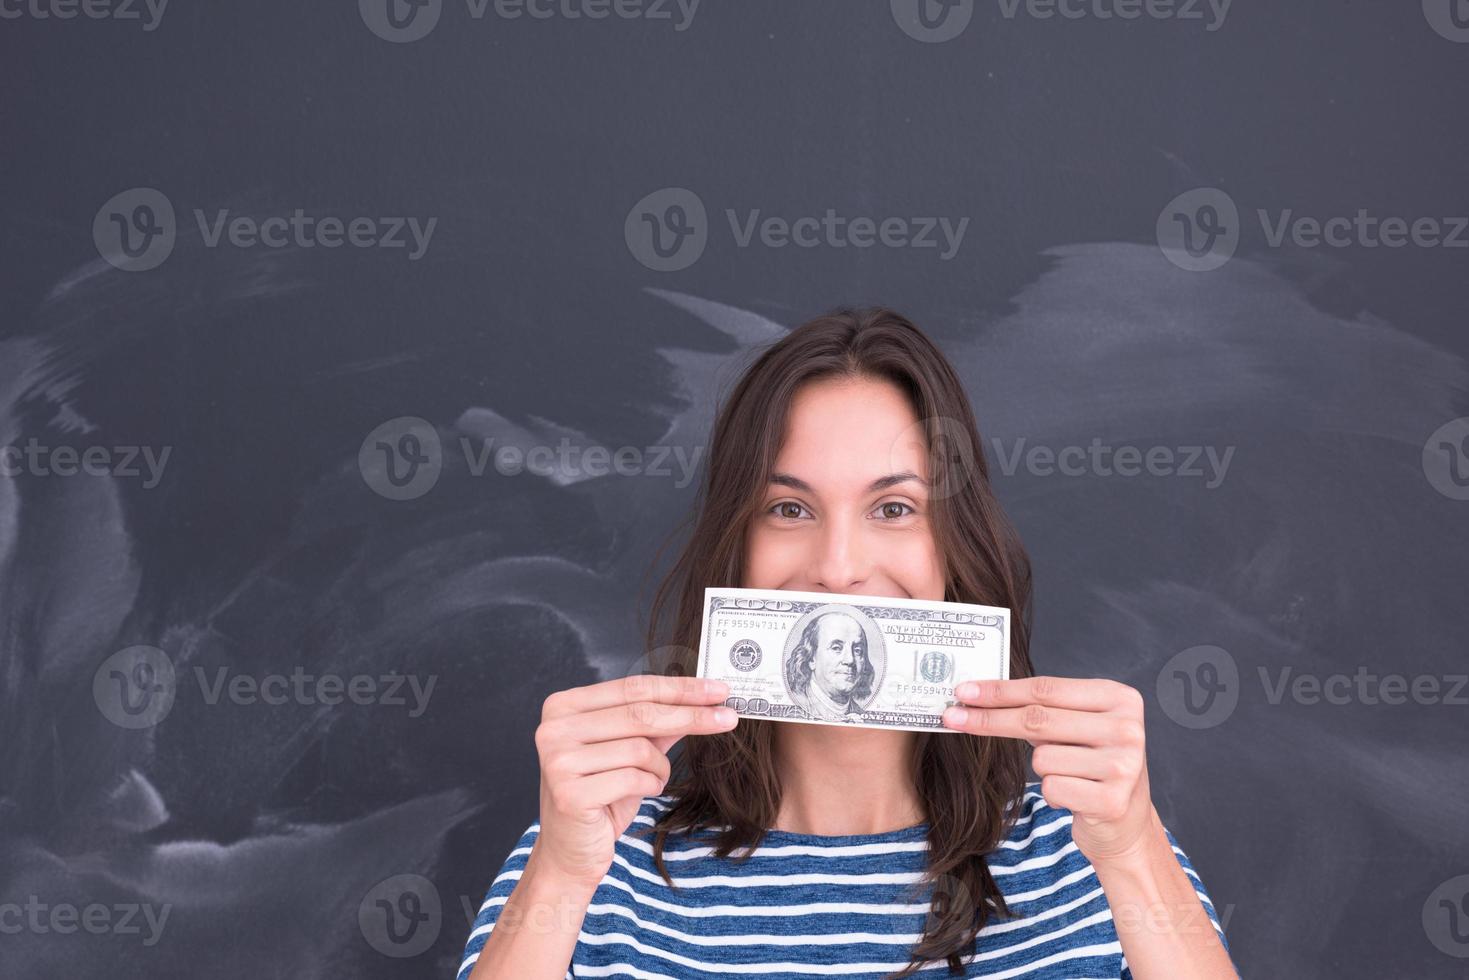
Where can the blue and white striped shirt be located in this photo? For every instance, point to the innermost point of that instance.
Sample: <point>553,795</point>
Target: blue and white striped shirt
<point>820,906</point>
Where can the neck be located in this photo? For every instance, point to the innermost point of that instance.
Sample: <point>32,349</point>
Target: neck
<point>842,780</point>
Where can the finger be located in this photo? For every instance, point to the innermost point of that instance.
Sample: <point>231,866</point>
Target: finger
<point>1082,761</point>
<point>602,788</point>
<point>1075,693</point>
<point>1083,797</point>
<point>636,687</point>
<point>639,753</point>
<point>1036,723</point>
<point>648,719</point>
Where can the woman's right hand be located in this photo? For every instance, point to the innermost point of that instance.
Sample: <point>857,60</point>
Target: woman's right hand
<point>603,748</point>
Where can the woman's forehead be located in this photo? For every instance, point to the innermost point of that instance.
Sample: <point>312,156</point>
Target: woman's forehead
<point>845,441</point>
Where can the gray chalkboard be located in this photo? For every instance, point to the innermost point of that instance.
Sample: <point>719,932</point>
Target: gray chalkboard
<point>277,617</point>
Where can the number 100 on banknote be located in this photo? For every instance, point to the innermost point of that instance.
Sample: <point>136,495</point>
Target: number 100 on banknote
<point>825,658</point>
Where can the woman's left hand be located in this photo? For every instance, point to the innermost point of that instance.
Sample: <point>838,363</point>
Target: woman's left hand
<point>1089,753</point>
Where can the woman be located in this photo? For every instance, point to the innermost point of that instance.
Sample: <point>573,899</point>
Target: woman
<point>845,461</point>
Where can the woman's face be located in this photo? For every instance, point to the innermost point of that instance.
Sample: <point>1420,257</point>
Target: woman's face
<point>825,526</point>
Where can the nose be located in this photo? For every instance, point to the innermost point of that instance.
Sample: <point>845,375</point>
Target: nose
<point>841,563</point>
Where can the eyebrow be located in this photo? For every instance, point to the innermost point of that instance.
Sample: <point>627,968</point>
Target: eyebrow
<point>881,483</point>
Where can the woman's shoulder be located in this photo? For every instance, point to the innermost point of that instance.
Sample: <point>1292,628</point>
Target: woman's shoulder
<point>1040,844</point>
<point>651,809</point>
<point>639,831</point>
<point>1039,837</point>
<point>1038,830</point>
<point>1033,812</point>
<point>1040,827</point>
<point>1036,822</point>
<point>1037,825</point>
<point>634,864</point>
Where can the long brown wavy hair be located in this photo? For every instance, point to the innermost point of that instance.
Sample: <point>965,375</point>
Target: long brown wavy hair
<point>726,783</point>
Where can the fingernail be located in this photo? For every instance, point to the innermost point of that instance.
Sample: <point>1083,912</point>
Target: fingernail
<point>967,690</point>
<point>724,715</point>
<point>956,716</point>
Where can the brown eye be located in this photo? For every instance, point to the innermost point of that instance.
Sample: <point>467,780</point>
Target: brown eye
<point>781,510</point>
<point>889,515</point>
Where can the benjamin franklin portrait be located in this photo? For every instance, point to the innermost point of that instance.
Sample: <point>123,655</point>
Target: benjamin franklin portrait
<point>829,671</point>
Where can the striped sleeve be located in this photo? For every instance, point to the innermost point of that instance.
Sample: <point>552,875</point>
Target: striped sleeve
<point>1204,899</point>
<point>500,889</point>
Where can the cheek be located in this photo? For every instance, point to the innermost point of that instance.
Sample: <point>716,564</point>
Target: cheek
<point>770,559</point>
<point>918,568</point>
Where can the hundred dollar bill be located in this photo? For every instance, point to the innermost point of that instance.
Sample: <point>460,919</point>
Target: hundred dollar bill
<point>830,659</point>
